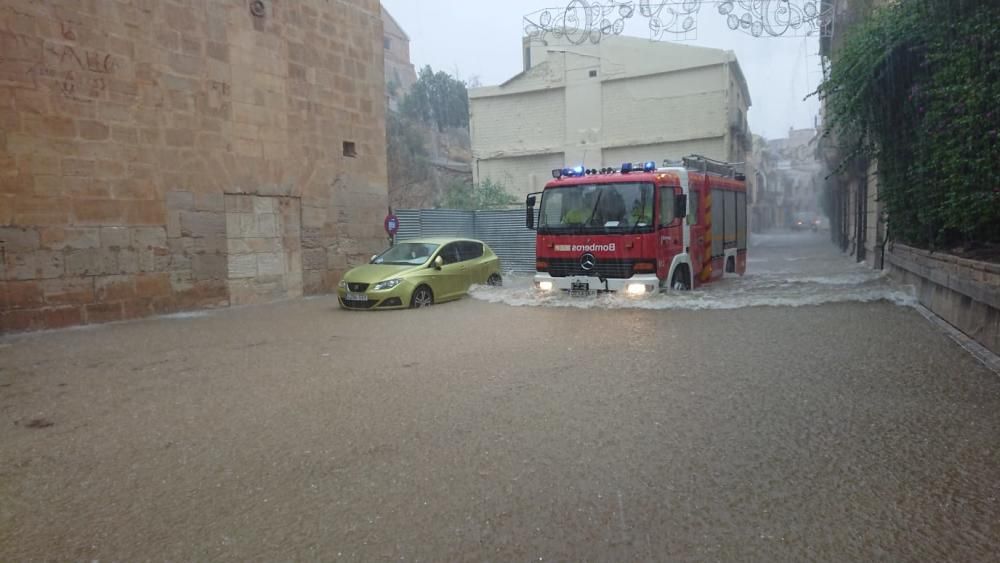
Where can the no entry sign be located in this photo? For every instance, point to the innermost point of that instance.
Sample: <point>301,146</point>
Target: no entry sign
<point>391,224</point>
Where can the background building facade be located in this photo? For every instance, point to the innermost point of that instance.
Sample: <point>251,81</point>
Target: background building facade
<point>624,99</point>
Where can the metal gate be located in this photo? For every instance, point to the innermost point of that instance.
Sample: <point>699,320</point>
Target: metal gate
<point>503,230</point>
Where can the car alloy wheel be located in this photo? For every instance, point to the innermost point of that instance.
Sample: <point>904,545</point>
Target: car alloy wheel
<point>422,297</point>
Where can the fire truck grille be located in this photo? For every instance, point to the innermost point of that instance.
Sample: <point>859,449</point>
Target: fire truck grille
<point>561,268</point>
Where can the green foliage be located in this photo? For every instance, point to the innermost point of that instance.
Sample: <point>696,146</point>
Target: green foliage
<point>485,195</point>
<point>437,98</point>
<point>406,151</point>
<point>915,88</point>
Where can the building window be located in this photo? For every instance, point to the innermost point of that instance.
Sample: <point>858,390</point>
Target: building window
<point>593,74</point>
<point>387,43</point>
<point>527,58</point>
<point>350,149</point>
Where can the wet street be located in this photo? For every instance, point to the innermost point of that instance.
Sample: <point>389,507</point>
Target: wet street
<point>804,412</point>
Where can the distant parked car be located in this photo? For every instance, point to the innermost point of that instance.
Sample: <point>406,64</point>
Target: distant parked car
<point>419,273</point>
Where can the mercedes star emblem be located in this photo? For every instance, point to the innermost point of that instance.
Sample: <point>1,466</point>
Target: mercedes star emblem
<point>587,262</point>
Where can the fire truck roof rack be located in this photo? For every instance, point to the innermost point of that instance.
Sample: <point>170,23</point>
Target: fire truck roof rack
<point>710,166</point>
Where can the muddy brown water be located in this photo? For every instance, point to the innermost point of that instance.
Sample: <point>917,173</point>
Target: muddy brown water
<point>481,431</point>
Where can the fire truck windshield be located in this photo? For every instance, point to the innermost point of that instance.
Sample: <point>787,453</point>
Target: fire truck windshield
<point>597,208</point>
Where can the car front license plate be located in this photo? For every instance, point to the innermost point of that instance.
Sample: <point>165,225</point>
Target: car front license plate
<point>356,297</point>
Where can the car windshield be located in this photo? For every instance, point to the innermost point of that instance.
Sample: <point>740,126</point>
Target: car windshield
<point>598,208</point>
<point>406,253</point>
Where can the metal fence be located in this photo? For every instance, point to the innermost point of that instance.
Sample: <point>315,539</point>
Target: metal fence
<point>503,230</point>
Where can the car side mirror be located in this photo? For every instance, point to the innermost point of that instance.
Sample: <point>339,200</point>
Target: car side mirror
<point>529,218</point>
<point>438,262</point>
<point>681,205</point>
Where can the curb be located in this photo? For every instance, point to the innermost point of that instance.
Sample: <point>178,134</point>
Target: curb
<point>978,351</point>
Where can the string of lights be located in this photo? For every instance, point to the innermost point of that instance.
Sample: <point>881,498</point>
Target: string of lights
<point>581,21</point>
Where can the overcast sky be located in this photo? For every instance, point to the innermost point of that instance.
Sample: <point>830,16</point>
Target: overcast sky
<point>483,38</point>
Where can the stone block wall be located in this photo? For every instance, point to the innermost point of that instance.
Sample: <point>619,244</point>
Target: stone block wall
<point>127,125</point>
<point>264,248</point>
<point>966,293</point>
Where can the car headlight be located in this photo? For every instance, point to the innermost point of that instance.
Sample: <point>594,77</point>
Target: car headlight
<point>544,285</point>
<point>343,283</point>
<point>387,284</point>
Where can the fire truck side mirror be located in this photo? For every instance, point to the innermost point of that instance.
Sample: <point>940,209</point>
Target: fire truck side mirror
<point>681,205</point>
<point>529,217</point>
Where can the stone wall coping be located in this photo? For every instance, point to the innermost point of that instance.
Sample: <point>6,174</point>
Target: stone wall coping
<point>956,274</point>
<point>949,258</point>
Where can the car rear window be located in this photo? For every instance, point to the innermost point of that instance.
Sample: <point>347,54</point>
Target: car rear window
<point>470,250</point>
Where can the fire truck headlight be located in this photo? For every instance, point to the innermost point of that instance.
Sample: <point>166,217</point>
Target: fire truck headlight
<point>635,289</point>
<point>544,285</point>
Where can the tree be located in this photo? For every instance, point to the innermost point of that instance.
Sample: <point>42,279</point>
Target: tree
<point>913,88</point>
<point>437,98</point>
<point>406,152</point>
<point>485,195</point>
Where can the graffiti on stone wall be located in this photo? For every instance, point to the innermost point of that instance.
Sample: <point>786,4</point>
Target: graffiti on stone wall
<point>74,70</point>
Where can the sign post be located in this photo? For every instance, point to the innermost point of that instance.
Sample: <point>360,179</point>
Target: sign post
<point>391,227</point>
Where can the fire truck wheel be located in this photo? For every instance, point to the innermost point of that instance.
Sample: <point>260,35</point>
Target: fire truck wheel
<point>495,280</point>
<point>681,280</point>
<point>422,297</point>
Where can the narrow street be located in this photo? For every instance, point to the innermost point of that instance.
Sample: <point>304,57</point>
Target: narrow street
<point>796,414</point>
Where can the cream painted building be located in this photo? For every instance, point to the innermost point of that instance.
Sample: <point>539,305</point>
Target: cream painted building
<point>624,99</point>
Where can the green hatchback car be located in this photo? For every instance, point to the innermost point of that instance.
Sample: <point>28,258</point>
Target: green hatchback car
<point>418,273</point>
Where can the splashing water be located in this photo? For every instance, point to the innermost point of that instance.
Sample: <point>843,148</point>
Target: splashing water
<point>784,270</point>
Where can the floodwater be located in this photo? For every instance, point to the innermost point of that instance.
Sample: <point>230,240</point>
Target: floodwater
<point>783,269</point>
<point>853,430</point>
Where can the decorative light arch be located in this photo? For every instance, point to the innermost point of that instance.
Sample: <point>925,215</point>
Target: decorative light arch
<point>586,20</point>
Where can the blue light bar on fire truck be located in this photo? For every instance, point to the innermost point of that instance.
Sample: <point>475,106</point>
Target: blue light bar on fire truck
<point>578,171</point>
<point>571,172</point>
<point>646,167</point>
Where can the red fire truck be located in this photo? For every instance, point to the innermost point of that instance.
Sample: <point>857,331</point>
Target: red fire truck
<point>640,228</point>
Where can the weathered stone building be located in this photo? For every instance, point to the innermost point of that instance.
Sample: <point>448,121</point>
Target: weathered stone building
<point>400,75</point>
<point>856,219</point>
<point>165,155</point>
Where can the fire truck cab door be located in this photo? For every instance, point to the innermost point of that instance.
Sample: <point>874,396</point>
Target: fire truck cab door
<point>670,235</point>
